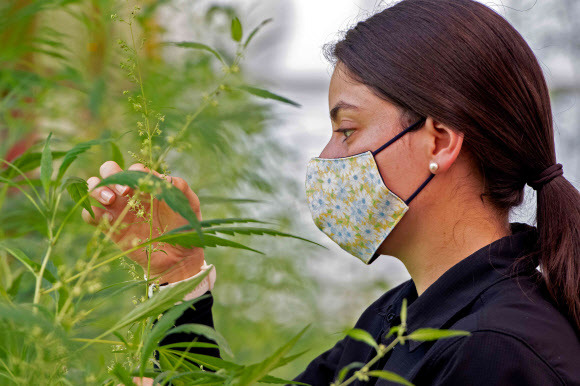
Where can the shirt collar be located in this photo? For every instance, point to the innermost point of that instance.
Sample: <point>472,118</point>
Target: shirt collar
<point>463,282</point>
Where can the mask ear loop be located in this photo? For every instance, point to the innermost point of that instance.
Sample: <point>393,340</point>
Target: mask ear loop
<point>408,200</point>
<point>412,127</point>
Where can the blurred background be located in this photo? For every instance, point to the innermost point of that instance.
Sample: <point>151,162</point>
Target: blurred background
<point>60,73</point>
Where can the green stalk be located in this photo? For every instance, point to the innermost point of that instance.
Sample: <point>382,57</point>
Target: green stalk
<point>380,353</point>
<point>89,268</point>
<point>51,243</point>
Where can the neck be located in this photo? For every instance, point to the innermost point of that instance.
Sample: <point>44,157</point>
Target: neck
<point>442,244</point>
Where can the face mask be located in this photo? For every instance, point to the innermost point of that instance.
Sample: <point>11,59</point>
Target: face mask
<point>350,202</point>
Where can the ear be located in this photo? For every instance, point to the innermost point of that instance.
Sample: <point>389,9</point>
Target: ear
<point>442,144</point>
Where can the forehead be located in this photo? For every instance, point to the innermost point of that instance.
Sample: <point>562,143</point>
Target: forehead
<point>344,87</point>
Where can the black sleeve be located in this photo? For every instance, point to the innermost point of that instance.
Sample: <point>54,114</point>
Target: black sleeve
<point>491,358</point>
<point>199,313</point>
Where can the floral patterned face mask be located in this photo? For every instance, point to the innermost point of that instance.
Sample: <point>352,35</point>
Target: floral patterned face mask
<point>351,204</point>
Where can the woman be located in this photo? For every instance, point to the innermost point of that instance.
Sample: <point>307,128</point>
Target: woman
<point>444,102</point>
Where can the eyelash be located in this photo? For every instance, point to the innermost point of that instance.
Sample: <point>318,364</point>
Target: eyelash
<point>344,131</point>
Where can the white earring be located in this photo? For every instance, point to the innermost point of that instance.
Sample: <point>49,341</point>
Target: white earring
<point>433,166</point>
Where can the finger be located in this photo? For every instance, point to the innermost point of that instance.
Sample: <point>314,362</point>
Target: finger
<point>142,168</point>
<point>182,185</point>
<point>102,194</point>
<point>138,167</point>
<point>109,168</point>
<point>100,213</point>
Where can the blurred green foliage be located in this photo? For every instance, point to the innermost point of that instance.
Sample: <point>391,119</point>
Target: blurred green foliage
<point>60,74</point>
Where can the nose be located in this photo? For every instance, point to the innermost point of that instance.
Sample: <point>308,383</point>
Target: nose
<point>330,151</point>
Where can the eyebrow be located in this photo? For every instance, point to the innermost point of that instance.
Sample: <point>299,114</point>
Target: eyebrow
<point>341,105</point>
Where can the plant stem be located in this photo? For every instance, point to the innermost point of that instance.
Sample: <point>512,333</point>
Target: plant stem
<point>380,354</point>
<point>51,243</point>
<point>95,255</point>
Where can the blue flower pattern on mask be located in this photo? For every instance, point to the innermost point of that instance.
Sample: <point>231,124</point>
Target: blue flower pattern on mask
<point>350,203</point>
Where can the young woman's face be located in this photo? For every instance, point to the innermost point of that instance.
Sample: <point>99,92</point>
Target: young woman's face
<point>362,121</point>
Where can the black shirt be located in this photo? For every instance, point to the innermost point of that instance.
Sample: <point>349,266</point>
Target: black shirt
<point>518,335</point>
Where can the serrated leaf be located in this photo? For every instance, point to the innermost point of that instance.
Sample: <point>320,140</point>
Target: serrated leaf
<point>424,334</point>
<point>236,29</point>
<point>78,190</point>
<point>266,94</point>
<point>172,196</point>
<point>255,30</point>
<point>256,231</point>
<point>198,46</point>
<point>46,166</point>
<point>73,154</point>
<point>191,239</point>
<point>388,375</point>
<point>233,220</point>
<point>208,332</point>
<point>362,336</point>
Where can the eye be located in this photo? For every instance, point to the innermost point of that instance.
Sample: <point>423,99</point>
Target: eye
<point>347,132</point>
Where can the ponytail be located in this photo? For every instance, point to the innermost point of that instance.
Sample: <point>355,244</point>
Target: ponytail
<point>558,222</point>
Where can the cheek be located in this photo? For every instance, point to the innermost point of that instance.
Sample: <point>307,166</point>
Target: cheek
<point>399,170</point>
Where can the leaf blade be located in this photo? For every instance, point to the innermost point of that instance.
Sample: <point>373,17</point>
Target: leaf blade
<point>362,336</point>
<point>388,375</point>
<point>267,94</point>
<point>78,190</point>
<point>74,153</point>
<point>425,334</point>
<point>46,165</point>
<point>236,29</point>
<point>255,30</point>
<point>197,46</point>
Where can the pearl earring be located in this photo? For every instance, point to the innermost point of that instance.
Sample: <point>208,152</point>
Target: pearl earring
<point>433,166</point>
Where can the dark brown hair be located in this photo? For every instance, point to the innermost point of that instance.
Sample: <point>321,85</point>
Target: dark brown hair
<point>463,64</point>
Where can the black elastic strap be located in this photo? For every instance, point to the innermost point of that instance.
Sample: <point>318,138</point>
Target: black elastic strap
<point>408,200</point>
<point>413,126</point>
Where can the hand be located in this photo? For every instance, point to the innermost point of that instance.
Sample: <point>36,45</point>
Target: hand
<point>174,262</point>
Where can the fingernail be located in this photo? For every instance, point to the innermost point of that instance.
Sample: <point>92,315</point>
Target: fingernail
<point>106,195</point>
<point>120,188</point>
